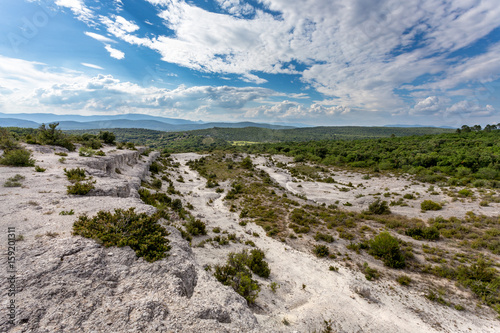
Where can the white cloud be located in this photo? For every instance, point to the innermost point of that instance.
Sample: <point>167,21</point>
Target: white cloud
<point>289,110</point>
<point>467,109</point>
<point>429,106</point>
<point>91,65</point>
<point>114,53</point>
<point>100,38</point>
<point>82,12</point>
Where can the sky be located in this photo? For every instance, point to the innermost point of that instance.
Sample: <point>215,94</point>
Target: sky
<point>315,62</point>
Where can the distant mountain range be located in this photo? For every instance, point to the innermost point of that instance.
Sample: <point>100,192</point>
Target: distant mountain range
<point>77,122</point>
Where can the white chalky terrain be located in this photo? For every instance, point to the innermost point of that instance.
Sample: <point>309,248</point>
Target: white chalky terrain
<point>71,284</point>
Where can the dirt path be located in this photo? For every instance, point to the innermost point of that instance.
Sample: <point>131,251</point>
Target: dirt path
<point>309,292</point>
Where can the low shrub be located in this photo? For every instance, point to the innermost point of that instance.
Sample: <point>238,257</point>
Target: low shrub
<point>86,152</point>
<point>321,251</point>
<point>404,280</point>
<point>429,233</point>
<point>386,247</point>
<point>39,169</point>
<point>80,188</point>
<point>257,264</point>
<point>237,275</point>
<point>370,273</point>
<point>323,237</point>
<point>17,157</point>
<point>196,227</point>
<point>100,153</point>
<point>430,205</point>
<point>379,207</point>
<point>75,175</point>
<point>14,181</point>
<point>126,228</point>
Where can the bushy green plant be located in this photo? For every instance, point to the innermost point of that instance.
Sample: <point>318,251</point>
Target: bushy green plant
<point>237,275</point>
<point>75,175</point>
<point>404,280</point>
<point>156,183</point>
<point>126,228</point>
<point>51,135</point>
<point>67,212</point>
<point>86,152</point>
<point>246,163</point>
<point>17,157</point>
<point>39,169</point>
<point>80,188</point>
<point>323,237</point>
<point>465,193</point>
<point>370,273</point>
<point>257,264</point>
<point>386,247</point>
<point>321,251</point>
<point>107,137</point>
<point>430,205</point>
<point>430,233</point>
<point>379,207</point>
<point>196,227</point>
<point>100,153</point>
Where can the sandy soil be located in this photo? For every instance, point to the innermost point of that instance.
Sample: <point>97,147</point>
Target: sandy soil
<point>309,292</point>
<point>364,192</point>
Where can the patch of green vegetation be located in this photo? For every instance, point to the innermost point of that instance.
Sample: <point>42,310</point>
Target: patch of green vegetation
<point>14,181</point>
<point>386,247</point>
<point>17,157</point>
<point>403,280</point>
<point>80,188</point>
<point>126,228</point>
<point>75,175</point>
<point>430,205</point>
<point>321,251</point>
<point>379,207</point>
<point>237,273</point>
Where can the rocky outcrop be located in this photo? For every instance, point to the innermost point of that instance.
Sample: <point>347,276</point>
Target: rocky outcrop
<point>120,173</point>
<point>75,285</point>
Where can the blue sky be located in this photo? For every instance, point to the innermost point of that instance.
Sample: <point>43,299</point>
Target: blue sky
<point>318,62</point>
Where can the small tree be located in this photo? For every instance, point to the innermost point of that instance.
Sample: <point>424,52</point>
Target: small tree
<point>107,137</point>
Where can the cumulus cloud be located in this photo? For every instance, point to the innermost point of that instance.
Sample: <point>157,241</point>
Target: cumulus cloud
<point>290,110</point>
<point>114,53</point>
<point>467,109</point>
<point>429,106</point>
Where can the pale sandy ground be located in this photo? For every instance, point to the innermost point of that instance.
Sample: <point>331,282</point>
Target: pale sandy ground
<point>327,295</point>
<point>330,193</point>
<point>34,208</point>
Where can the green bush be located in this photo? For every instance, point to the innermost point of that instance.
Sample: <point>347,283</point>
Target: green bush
<point>323,237</point>
<point>80,188</point>
<point>465,193</point>
<point>379,207</point>
<point>246,163</point>
<point>100,153</point>
<point>75,175</point>
<point>370,273</point>
<point>17,157</point>
<point>54,136</point>
<point>237,275</point>
<point>321,251</point>
<point>107,137</point>
<point>386,247</point>
<point>126,228</point>
<point>39,169</point>
<point>196,227</point>
<point>430,233</point>
<point>404,280</point>
<point>257,264</point>
<point>430,205</point>
<point>156,183</point>
<point>86,152</point>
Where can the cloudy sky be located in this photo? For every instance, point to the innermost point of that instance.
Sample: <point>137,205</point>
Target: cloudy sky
<point>318,62</point>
